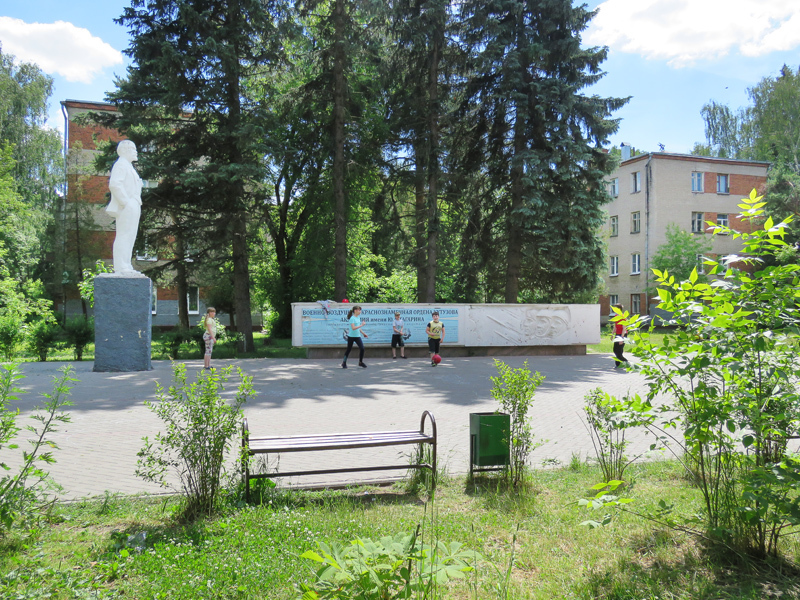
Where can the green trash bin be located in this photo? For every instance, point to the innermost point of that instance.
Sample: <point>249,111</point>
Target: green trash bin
<point>490,434</point>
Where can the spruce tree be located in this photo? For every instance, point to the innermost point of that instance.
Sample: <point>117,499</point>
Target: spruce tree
<point>185,100</point>
<point>543,140</point>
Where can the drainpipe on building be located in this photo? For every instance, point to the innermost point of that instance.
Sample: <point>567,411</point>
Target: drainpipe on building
<point>64,213</point>
<point>647,179</point>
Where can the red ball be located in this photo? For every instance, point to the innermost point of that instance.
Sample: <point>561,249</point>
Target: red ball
<point>436,358</point>
<point>345,301</point>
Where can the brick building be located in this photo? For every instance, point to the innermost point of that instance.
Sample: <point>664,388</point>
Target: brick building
<point>89,230</point>
<point>652,191</point>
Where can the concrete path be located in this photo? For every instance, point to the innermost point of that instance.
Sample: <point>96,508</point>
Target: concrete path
<point>109,419</point>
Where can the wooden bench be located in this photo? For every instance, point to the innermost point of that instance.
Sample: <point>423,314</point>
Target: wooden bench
<point>337,441</point>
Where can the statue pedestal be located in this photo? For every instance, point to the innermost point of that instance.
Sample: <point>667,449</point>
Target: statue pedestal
<point>122,322</point>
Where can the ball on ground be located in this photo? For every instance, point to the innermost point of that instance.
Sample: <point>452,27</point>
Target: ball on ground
<point>437,359</point>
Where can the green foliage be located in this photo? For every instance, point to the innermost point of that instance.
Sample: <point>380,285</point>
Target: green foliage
<point>730,375</point>
<point>514,390</point>
<point>23,492</point>
<point>173,339</point>
<point>200,425</point>
<point>41,337</point>
<point>608,419</point>
<point>79,332</point>
<point>30,155</point>
<point>679,253</point>
<point>86,284</point>
<point>20,302</point>
<point>399,566</point>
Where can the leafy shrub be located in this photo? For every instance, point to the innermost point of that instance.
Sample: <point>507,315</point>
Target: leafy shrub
<point>731,374</point>
<point>22,493</point>
<point>12,334</point>
<point>391,567</point>
<point>86,284</point>
<point>514,390</point>
<point>173,339</point>
<point>41,338</point>
<point>608,419</point>
<point>80,333</point>
<point>200,425</point>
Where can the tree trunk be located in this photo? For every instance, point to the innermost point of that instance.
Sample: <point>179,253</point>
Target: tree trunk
<point>514,257</point>
<point>340,199</point>
<point>433,171</point>
<point>420,213</point>
<point>241,260</point>
<point>241,282</point>
<point>180,275</point>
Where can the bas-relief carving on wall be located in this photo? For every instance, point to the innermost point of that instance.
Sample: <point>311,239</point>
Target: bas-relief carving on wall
<point>534,326</point>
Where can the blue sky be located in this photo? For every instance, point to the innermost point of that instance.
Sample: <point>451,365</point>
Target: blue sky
<point>671,56</point>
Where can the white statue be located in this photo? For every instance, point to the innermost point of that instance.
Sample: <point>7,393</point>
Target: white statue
<point>125,206</point>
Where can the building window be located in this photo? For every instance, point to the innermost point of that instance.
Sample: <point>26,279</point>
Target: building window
<point>154,301</point>
<point>613,299</point>
<point>636,307</point>
<point>614,266</point>
<point>722,184</point>
<point>613,187</point>
<point>193,299</point>
<point>697,222</point>
<point>722,220</point>
<point>636,260</point>
<point>697,182</point>
<point>701,268</point>
<point>636,222</point>
<point>636,182</point>
<point>144,251</point>
<point>614,222</point>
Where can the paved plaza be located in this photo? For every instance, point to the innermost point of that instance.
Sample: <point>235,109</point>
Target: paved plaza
<point>98,448</point>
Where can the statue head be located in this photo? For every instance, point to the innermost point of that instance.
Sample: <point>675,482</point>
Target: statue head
<point>127,149</point>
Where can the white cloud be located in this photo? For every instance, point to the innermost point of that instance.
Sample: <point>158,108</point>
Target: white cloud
<point>59,47</point>
<point>683,32</point>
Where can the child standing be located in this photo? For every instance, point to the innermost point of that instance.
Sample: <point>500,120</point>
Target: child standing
<point>354,336</point>
<point>209,335</point>
<point>619,340</point>
<point>398,329</point>
<point>435,331</point>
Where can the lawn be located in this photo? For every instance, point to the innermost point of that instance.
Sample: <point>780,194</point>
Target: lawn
<point>606,345</point>
<point>121,547</point>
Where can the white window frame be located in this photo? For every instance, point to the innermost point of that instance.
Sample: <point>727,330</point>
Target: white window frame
<point>614,269</point>
<point>154,301</point>
<point>698,182</point>
<point>723,220</point>
<point>196,290</point>
<point>636,304</point>
<point>614,187</point>
<point>614,224</point>
<point>636,222</point>
<point>697,222</point>
<point>723,183</point>
<point>636,263</point>
<point>636,182</point>
<point>145,252</point>
<point>613,299</point>
<point>701,268</point>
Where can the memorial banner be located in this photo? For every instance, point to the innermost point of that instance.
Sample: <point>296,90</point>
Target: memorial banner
<point>331,327</point>
<point>469,325</point>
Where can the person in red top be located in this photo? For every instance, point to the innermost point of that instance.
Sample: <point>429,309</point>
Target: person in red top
<point>619,341</point>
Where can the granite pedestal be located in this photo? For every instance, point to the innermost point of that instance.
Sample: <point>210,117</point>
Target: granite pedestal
<point>122,322</point>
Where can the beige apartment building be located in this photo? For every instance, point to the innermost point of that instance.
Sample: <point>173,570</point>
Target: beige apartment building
<point>651,191</point>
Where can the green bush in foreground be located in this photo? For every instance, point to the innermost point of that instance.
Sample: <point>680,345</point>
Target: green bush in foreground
<point>399,566</point>
<point>22,492</point>
<point>200,425</point>
<point>730,375</point>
